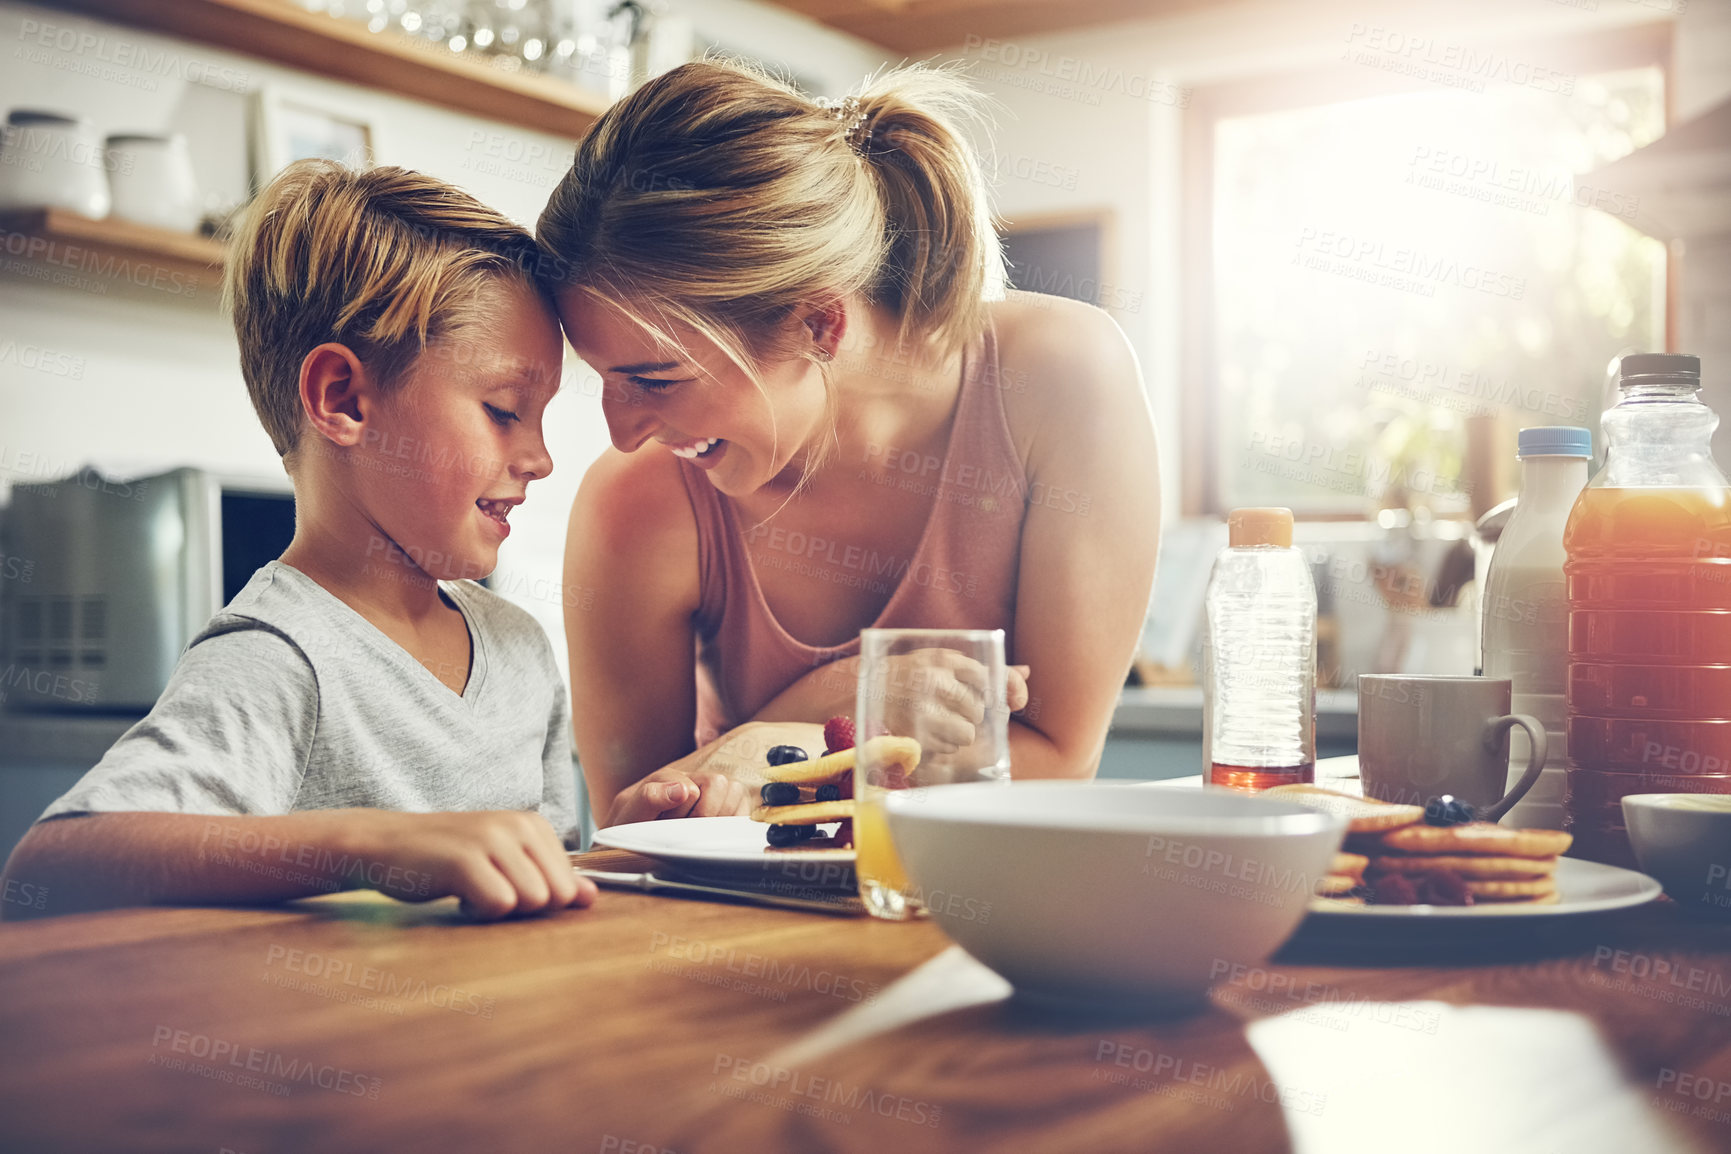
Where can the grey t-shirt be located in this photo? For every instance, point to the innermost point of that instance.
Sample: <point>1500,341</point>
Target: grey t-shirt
<point>290,700</point>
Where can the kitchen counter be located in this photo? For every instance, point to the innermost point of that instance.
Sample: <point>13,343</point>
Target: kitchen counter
<point>1165,711</point>
<point>1176,711</point>
<point>1156,733</point>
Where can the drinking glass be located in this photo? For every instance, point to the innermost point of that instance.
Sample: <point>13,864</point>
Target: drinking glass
<point>945,688</point>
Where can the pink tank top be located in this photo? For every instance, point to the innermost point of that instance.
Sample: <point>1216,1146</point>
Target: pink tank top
<point>962,574</point>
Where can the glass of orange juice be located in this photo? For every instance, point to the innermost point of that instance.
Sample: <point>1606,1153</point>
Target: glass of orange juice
<point>945,689</point>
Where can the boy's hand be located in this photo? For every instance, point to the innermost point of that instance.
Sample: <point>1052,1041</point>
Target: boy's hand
<point>497,862</point>
<point>672,793</point>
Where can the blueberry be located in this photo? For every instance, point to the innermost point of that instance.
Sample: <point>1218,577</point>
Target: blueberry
<point>806,831</point>
<point>787,754</point>
<point>830,792</point>
<point>780,835</point>
<point>1448,810</point>
<point>780,793</point>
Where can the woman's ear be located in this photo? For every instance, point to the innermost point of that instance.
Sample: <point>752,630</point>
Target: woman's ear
<point>827,324</point>
<point>336,393</point>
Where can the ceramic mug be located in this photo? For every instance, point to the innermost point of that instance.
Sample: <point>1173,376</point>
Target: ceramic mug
<point>1423,735</point>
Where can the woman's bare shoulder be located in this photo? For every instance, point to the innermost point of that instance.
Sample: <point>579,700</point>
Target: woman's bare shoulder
<point>1060,358</point>
<point>632,508</point>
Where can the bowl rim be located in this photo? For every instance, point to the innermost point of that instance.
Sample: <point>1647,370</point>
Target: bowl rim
<point>1302,821</point>
<point>1665,802</point>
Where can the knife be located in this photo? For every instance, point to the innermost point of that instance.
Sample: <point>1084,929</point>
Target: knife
<point>649,883</point>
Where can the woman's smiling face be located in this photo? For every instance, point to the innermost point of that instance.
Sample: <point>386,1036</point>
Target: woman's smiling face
<point>693,401</point>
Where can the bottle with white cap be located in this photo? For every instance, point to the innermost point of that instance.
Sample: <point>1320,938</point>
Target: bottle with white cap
<point>1526,610</point>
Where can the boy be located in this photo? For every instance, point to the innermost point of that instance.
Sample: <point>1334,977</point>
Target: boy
<point>360,715</point>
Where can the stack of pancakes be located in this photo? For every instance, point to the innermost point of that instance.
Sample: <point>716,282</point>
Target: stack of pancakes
<point>898,754</point>
<point>1384,842</point>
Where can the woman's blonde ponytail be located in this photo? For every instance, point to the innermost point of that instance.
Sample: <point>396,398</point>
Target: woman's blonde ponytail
<point>942,252</point>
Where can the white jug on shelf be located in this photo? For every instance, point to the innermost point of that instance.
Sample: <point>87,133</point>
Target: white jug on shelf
<point>152,180</point>
<point>52,160</point>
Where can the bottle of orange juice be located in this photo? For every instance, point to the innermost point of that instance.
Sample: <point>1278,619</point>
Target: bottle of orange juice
<point>1649,581</point>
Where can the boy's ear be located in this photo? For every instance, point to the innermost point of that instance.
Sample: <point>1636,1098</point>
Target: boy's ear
<point>336,393</point>
<point>827,324</point>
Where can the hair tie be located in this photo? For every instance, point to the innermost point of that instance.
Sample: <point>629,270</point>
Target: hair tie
<point>858,133</point>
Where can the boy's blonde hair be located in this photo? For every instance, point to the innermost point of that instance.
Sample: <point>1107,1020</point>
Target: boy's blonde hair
<point>720,198</point>
<point>383,260</point>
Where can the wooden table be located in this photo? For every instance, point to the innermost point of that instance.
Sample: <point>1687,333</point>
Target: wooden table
<point>646,1024</point>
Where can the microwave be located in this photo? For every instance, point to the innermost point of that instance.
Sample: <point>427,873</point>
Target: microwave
<point>105,581</point>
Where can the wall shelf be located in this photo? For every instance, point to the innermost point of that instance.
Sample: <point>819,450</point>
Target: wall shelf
<point>176,263</point>
<point>283,33</point>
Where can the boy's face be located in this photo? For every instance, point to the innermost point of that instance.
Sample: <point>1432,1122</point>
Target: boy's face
<point>451,450</point>
<point>683,399</point>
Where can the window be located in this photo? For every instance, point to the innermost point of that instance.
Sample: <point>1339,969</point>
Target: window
<point>1380,271</point>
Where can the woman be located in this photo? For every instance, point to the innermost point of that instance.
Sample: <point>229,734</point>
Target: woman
<point>820,424</point>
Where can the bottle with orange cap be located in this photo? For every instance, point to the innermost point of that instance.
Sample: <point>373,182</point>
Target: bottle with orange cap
<point>1259,657</point>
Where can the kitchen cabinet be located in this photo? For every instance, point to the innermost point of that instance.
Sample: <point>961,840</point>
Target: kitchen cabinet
<point>43,756</point>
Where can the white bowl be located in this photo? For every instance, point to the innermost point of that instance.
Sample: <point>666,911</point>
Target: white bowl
<point>1108,894</point>
<point>1684,840</point>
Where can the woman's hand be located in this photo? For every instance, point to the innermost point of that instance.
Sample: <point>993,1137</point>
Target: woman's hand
<point>718,780</point>
<point>670,792</point>
<point>938,697</point>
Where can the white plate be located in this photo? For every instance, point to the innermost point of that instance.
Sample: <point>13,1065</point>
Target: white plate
<point>1583,887</point>
<point>731,849</point>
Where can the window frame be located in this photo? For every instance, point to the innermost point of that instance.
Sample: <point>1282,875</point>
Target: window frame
<point>1603,50</point>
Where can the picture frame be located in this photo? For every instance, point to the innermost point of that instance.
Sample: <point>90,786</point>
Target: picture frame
<point>290,124</point>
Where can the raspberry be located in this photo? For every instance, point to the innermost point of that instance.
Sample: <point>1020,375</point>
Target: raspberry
<point>1444,888</point>
<point>838,734</point>
<point>1395,890</point>
<point>888,777</point>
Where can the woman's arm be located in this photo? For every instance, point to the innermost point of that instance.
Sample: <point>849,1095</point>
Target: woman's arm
<point>632,582</point>
<point>1092,530</point>
<point>827,691</point>
<point>832,691</point>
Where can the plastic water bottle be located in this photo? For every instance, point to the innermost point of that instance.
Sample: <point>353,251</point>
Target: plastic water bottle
<point>1526,610</point>
<point>1259,657</point>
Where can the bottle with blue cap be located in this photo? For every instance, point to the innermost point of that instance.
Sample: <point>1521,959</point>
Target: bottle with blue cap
<point>1525,609</point>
